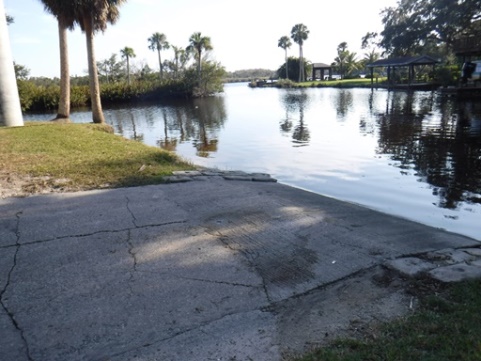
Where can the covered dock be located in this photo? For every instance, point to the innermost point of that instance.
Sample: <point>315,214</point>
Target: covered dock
<point>411,63</point>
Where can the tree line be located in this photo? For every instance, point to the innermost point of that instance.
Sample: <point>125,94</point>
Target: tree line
<point>411,27</point>
<point>93,16</point>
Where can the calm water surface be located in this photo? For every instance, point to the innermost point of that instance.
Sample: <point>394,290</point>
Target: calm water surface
<point>415,155</point>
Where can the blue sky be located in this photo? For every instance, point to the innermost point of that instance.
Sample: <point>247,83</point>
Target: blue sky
<point>244,33</point>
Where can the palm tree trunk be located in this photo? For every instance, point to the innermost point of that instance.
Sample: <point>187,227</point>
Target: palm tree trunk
<point>97,114</point>
<point>300,63</point>
<point>10,111</point>
<point>64,101</point>
<point>128,71</point>
<point>160,64</point>
<point>199,66</point>
<point>287,72</point>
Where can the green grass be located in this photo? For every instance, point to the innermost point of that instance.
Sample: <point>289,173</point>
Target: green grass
<point>86,156</point>
<point>360,82</point>
<point>345,83</point>
<point>447,327</point>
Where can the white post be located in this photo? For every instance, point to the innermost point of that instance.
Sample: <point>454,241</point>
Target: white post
<point>10,110</point>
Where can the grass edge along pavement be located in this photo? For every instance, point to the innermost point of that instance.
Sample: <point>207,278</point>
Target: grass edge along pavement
<point>69,157</point>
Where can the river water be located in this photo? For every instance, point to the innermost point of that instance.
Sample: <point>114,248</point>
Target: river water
<point>416,155</point>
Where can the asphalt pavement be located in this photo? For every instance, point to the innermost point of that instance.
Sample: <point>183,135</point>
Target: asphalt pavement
<point>211,269</point>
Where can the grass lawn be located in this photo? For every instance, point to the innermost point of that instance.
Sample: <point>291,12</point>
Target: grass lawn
<point>341,83</point>
<point>446,327</point>
<point>84,156</point>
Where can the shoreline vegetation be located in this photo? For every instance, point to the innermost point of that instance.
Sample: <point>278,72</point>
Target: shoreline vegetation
<point>36,96</point>
<point>344,83</point>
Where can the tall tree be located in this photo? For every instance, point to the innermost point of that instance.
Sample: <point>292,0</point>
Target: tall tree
<point>197,44</point>
<point>158,41</point>
<point>412,24</point>
<point>127,53</point>
<point>285,43</point>
<point>65,14</point>
<point>352,64</point>
<point>10,111</point>
<point>110,68</point>
<point>299,34</point>
<point>10,19</point>
<point>370,57</point>
<point>179,55</point>
<point>340,60</point>
<point>93,16</point>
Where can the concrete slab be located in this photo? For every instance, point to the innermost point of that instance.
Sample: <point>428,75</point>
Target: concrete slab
<point>219,340</point>
<point>8,225</point>
<point>410,266</point>
<point>182,271</point>
<point>7,262</point>
<point>63,215</point>
<point>456,273</point>
<point>451,256</point>
<point>12,347</point>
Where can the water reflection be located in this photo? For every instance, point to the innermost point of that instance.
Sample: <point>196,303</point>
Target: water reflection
<point>296,101</point>
<point>442,148</point>
<point>196,121</point>
<point>416,155</point>
<point>343,102</point>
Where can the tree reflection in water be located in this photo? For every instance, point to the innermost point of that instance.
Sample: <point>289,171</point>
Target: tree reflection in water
<point>126,118</point>
<point>442,149</point>
<point>197,121</point>
<point>167,143</point>
<point>296,101</point>
<point>343,103</point>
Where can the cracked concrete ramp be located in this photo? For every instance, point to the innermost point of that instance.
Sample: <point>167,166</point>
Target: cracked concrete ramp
<point>205,270</point>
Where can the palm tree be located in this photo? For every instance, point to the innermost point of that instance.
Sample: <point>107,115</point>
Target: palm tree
<point>342,54</point>
<point>351,63</point>
<point>92,16</point>
<point>370,57</point>
<point>198,43</point>
<point>10,111</point>
<point>285,43</point>
<point>179,55</point>
<point>9,19</point>
<point>158,41</point>
<point>65,15</point>
<point>127,53</point>
<point>299,34</point>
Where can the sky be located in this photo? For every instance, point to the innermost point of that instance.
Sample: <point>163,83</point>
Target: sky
<point>244,34</point>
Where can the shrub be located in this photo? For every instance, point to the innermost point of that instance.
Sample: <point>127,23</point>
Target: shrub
<point>285,83</point>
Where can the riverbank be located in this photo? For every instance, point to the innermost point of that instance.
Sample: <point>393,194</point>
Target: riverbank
<point>262,299</point>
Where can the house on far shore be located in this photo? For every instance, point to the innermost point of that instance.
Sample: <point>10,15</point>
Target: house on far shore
<point>319,70</point>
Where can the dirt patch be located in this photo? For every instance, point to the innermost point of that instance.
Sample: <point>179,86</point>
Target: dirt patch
<point>352,308</point>
<point>14,185</point>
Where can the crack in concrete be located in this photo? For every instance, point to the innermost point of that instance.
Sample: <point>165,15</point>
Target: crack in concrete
<point>2,292</point>
<point>134,220</point>
<point>133,255</point>
<point>179,333</point>
<point>131,249</point>
<point>222,238</point>
<point>81,235</point>
<point>219,282</point>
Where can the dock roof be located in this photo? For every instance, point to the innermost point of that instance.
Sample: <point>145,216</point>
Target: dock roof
<point>404,61</point>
